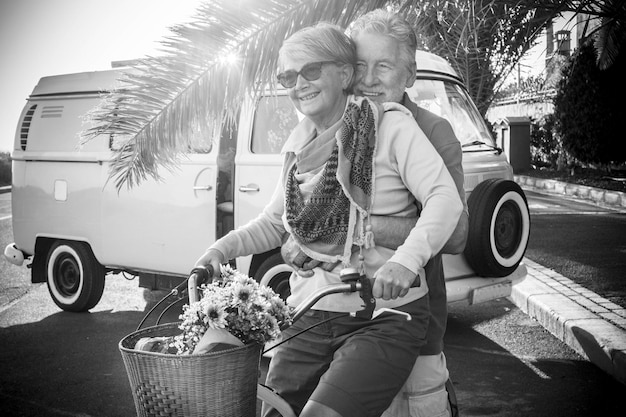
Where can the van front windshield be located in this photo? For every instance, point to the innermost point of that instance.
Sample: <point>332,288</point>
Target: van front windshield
<point>450,101</point>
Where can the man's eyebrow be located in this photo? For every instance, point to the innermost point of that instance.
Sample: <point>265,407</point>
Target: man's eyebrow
<point>380,61</point>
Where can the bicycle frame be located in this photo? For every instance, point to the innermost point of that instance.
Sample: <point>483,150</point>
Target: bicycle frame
<point>352,282</point>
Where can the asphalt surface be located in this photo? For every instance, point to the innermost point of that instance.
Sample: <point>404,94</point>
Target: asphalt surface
<point>590,324</point>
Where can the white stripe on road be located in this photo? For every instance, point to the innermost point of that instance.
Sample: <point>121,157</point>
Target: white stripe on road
<point>582,213</point>
<point>526,360</point>
<point>5,218</point>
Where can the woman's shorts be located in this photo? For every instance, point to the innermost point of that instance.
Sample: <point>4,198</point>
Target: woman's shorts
<point>354,366</point>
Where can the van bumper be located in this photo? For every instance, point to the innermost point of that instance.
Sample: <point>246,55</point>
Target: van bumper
<point>475,290</point>
<point>14,255</point>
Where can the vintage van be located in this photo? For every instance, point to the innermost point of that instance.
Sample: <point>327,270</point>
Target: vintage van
<point>75,228</point>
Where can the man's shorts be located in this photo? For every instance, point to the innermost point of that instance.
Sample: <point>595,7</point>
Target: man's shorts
<point>354,366</point>
<point>424,393</point>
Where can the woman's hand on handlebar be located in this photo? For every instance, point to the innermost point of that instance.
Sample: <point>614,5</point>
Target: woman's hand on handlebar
<point>393,280</point>
<point>213,258</point>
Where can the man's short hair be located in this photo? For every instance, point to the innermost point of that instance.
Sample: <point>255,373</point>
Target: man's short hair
<point>390,24</point>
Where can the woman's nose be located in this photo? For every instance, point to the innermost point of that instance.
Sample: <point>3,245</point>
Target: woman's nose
<point>301,82</point>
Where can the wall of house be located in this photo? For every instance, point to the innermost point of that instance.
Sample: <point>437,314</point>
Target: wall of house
<point>533,107</point>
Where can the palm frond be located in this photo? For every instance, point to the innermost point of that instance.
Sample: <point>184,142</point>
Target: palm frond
<point>191,88</point>
<point>610,34</point>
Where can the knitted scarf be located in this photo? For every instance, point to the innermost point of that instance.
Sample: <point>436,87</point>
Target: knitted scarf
<point>324,225</point>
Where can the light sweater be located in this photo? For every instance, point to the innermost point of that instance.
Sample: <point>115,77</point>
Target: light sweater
<point>406,168</point>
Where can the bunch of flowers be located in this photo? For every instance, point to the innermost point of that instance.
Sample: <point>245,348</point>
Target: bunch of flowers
<point>251,312</point>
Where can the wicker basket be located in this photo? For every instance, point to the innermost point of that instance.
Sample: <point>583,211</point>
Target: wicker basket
<point>219,384</point>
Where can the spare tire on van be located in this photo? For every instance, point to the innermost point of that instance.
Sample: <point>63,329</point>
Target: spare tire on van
<point>499,227</point>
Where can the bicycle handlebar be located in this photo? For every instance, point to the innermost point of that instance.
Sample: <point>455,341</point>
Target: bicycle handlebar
<point>198,276</point>
<point>352,282</point>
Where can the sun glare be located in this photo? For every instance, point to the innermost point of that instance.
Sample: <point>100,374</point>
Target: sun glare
<point>229,58</point>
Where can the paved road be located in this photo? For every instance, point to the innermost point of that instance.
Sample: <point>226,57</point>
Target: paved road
<point>61,364</point>
<point>581,241</point>
<point>503,364</point>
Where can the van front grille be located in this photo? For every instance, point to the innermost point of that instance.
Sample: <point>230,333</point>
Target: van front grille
<point>28,117</point>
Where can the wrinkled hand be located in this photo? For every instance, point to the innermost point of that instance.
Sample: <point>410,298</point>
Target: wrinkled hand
<point>392,281</point>
<point>299,261</point>
<point>214,258</point>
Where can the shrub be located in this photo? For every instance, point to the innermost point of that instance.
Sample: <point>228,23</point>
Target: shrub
<point>5,168</point>
<point>589,109</point>
<point>545,145</point>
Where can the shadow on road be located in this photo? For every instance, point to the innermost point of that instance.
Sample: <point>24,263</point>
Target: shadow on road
<point>69,364</point>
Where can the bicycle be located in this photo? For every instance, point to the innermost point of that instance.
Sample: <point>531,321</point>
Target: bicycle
<point>352,282</point>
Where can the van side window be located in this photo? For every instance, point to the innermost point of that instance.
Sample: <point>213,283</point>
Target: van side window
<point>274,120</point>
<point>200,141</point>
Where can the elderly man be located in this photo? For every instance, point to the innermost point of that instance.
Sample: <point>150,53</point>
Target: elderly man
<point>386,45</point>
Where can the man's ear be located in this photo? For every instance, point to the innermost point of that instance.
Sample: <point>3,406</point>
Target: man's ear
<point>411,78</point>
<point>347,76</point>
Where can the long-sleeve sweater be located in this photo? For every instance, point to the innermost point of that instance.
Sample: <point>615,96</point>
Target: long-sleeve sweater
<point>406,168</point>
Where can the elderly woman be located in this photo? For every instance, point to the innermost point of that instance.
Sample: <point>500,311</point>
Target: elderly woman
<point>348,159</point>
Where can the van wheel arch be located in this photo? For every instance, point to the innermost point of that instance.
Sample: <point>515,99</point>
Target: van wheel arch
<point>274,273</point>
<point>74,276</point>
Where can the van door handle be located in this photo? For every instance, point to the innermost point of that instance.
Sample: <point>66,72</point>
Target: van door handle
<point>249,188</point>
<point>203,187</point>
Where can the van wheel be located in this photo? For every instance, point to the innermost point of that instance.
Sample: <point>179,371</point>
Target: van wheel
<point>75,278</point>
<point>275,273</point>
<point>499,227</point>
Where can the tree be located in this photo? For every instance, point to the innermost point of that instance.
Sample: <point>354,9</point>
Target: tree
<point>193,86</point>
<point>482,39</point>
<point>589,108</point>
<point>606,18</point>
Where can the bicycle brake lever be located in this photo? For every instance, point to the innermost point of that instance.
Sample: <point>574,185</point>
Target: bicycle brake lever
<point>391,311</point>
<point>367,297</point>
<point>352,276</point>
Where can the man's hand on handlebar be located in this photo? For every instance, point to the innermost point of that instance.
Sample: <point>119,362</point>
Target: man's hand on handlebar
<point>299,261</point>
<point>213,258</point>
<point>392,281</point>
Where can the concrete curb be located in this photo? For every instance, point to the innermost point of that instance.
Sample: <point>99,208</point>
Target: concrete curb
<point>590,324</point>
<point>5,189</point>
<point>596,195</point>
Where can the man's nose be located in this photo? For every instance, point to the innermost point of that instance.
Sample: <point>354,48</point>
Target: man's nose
<point>368,76</point>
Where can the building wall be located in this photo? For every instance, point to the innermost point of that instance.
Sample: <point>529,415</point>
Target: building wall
<point>534,110</point>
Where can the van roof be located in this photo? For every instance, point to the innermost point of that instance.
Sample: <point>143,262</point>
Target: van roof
<point>429,63</point>
<point>83,82</point>
<point>104,81</point>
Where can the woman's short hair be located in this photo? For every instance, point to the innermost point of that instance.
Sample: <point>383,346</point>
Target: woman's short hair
<point>321,42</point>
<point>390,24</point>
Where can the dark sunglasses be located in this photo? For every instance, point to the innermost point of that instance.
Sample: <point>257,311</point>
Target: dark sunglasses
<point>310,72</point>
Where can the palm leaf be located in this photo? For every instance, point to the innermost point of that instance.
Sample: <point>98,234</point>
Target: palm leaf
<point>191,89</point>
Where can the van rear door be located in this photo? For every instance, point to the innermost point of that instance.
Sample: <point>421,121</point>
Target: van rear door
<point>163,226</point>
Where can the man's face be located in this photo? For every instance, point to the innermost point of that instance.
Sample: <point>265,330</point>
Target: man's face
<point>381,75</point>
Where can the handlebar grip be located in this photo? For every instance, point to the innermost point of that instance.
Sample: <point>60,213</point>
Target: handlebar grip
<point>204,274</point>
<point>198,276</point>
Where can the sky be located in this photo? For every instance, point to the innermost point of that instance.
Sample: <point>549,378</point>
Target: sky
<point>49,37</point>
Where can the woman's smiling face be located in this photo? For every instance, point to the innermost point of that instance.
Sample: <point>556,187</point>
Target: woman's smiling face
<point>322,100</point>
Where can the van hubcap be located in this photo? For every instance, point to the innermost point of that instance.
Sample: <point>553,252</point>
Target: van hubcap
<point>508,229</point>
<point>67,275</point>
